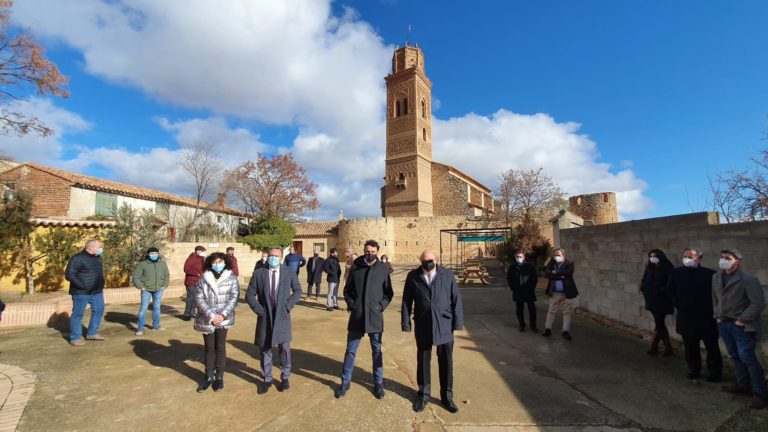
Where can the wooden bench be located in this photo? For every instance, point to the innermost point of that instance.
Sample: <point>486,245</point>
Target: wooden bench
<point>474,272</point>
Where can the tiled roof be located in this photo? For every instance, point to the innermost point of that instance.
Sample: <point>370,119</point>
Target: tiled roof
<point>465,177</point>
<point>316,229</point>
<point>93,183</point>
<point>71,223</point>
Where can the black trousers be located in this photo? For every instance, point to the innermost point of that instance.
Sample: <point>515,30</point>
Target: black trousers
<point>693,355</point>
<point>215,351</point>
<point>424,370</point>
<point>661,325</point>
<point>519,310</point>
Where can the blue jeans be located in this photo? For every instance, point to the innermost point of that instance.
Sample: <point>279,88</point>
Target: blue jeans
<point>353,342</point>
<point>741,347</point>
<point>157,297</point>
<point>79,303</point>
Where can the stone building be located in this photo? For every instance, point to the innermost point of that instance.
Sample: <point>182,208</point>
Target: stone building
<point>595,209</point>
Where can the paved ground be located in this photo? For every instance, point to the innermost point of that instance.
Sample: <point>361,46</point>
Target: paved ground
<point>504,380</point>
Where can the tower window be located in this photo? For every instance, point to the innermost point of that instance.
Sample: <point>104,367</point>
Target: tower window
<point>605,197</point>
<point>424,134</point>
<point>401,176</point>
<point>405,106</point>
<point>423,108</point>
<point>397,109</point>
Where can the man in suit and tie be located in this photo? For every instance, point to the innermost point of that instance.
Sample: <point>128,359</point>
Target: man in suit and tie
<point>314,274</point>
<point>272,293</point>
<point>432,296</point>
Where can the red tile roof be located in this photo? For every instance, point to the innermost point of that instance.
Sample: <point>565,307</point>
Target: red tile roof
<point>317,229</point>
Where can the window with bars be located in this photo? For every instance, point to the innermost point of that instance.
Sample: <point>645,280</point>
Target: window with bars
<point>162,210</point>
<point>106,204</point>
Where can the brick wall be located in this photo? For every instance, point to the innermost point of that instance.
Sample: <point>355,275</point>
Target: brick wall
<point>50,194</point>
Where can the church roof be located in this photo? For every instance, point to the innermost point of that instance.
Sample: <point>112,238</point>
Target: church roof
<point>316,229</point>
<point>464,177</point>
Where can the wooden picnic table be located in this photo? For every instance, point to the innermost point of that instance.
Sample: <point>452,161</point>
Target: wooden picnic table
<point>474,272</point>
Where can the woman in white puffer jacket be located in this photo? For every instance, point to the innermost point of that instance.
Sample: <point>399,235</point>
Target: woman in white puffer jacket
<point>216,297</point>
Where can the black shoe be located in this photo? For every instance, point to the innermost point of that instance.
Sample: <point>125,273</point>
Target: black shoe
<point>420,404</point>
<point>378,391</point>
<point>337,307</point>
<point>567,336</point>
<point>714,378</point>
<point>521,328</point>
<point>450,406</point>
<point>205,384</point>
<point>547,333</point>
<point>218,384</point>
<point>284,385</point>
<point>737,390</point>
<point>329,309</point>
<point>534,329</point>
<point>186,317</point>
<point>342,391</point>
<point>758,404</point>
<point>263,388</point>
<point>693,375</point>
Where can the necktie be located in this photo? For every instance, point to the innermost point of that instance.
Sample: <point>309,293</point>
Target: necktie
<point>272,293</point>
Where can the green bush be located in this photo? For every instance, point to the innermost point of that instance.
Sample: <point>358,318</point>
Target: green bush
<point>269,232</point>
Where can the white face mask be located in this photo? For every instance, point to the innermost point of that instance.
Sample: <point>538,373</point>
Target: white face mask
<point>688,262</point>
<point>653,260</point>
<point>559,258</point>
<point>725,264</point>
<point>201,253</point>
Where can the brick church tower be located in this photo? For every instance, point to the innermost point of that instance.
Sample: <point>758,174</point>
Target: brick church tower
<point>407,189</point>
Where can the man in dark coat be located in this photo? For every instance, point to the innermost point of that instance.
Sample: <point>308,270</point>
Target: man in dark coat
<point>333,269</point>
<point>521,279</point>
<point>561,290</point>
<point>233,260</point>
<point>314,273</point>
<point>690,287</point>
<point>193,269</point>
<point>431,294</point>
<point>262,263</point>
<point>367,293</point>
<point>272,293</point>
<point>85,273</point>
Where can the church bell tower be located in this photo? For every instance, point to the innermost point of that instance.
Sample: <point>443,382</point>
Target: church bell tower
<point>407,189</point>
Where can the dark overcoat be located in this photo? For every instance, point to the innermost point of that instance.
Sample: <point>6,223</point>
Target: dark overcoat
<point>436,308</point>
<point>654,288</point>
<point>521,279</point>
<point>367,292</point>
<point>564,273</point>
<point>315,276</point>
<point>690,289</point>
<point>273,326</point>
<point>333,269</point>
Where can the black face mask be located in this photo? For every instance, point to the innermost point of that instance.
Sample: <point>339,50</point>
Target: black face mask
<point>428,265</point>
<point>370,257</point>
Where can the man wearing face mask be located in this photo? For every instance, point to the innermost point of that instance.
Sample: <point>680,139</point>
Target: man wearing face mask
<point>561,291</point>
<point>193,269</point>
<point>151,277</point>
<point>314,274</point>
<point>690,287</point>
<point>431,294</point>
<point>368,292</point>
<point>262,263</point>
<point>272,293</point>
<point>738,302</point>
<point>233,260</point>
<point>333,269</point>
<point>521,279</point>
<point>85,273</point>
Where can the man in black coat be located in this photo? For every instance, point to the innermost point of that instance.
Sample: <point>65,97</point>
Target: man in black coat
<point>314,273</point>
<point>561,290</point>
<point>333,269</point>
<point>85,273</point>
<point>272,293</point>
<point>368,292</point>
<point>431,294</point>
<point>521,279</point>
<point>690,288</point>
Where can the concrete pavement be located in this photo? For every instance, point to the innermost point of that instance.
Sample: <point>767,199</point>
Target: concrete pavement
<point>504,380</point>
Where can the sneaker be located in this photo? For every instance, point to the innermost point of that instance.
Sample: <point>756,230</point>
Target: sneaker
<point>95,337</point>
<point>76,342</point>
<point>161,328</point>
<point>139,333</point>
<point>378,391</point>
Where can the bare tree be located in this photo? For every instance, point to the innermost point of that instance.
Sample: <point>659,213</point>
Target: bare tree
<point>527,193</point>
<point>742,195</point>
<point>23,65</point>
<point>200,162</point>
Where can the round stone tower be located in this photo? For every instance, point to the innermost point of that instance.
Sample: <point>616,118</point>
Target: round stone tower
<point>599,208</point>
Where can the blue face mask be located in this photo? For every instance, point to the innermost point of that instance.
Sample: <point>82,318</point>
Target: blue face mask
<point>273,261</point>
<point>218,268</point>
<point>153,257</point>
<point>519,260</point>
<point>99,251</point>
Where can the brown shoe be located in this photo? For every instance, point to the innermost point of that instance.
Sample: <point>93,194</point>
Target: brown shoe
<point>76,342</point>
<point>95,337</point>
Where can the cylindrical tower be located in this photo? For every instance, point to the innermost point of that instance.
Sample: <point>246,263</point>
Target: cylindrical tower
<point>597,208</point>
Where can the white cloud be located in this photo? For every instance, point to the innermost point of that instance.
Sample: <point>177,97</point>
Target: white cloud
<point>484,146</point>
<point>35,147</point>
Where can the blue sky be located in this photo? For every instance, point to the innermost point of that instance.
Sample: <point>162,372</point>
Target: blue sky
<point>641,98</point>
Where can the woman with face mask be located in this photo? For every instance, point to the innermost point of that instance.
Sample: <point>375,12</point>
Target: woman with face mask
<point>657,300</point>
<point>216,298</point>
<point>151,277</point>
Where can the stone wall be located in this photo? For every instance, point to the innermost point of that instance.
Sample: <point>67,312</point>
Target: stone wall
<point>610,259</point>
<point>599,208</point>
<point>354,232</point>
<point>176,253</point>
<point>449,193</point>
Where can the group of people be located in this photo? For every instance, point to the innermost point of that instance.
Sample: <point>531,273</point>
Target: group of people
<point>431,306</point>
<point>710,305</point>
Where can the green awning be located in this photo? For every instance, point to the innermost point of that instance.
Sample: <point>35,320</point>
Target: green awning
<point>481,238</point>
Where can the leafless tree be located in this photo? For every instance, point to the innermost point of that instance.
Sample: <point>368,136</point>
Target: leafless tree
<point>527,193</point>
<point>742,195</point>
<point>200,162</point>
